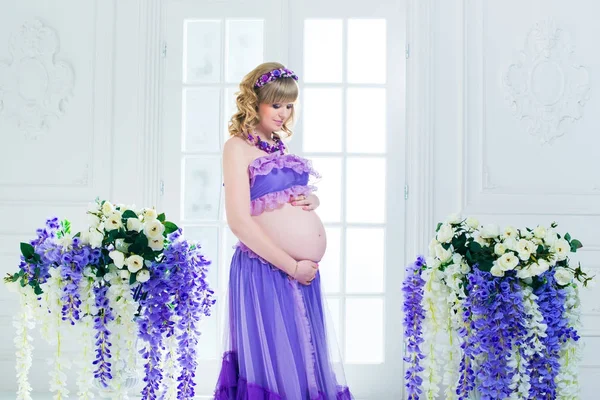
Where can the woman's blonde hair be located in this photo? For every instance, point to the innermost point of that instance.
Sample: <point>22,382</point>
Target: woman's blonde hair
<point>283,90</point>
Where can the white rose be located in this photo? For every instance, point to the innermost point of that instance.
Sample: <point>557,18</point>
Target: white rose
<point>524,248</point>
<point>479,239</point>
<point>93,220</point>
<point>124,274</point>
<point>113,222</point>
<point>563,276</point>
<point>154,229</point>
<point>472,223</point>
<point>143,276</point>
<point>497,270</point>
<point>149,214</point>
<point>107,208</point>
<point>490,231</point>
<point>134,224</point>
<point>539,232</point>
<point>453,218</point>
<point>525,273</point>
<point>561,249</point>
<point>550,237</point>
<point>508,261</point>
<point>134,263</point>
<point>443,254</point>
<point>499,249</point>
<point>509,232</point>
<point>445,233</point>
<point>95,238</point>
<point>118,258</point>
<point>156,243</point>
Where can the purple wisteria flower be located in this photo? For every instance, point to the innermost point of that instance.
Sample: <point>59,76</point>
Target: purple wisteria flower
<point>497,315</point>
<point>544,368</point>
<point>73,262</point>
<point>414,314</point>
<point>177,285</point>
<point>103,366</point>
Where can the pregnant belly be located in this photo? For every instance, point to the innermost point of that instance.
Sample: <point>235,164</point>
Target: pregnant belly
<point>298,232</point>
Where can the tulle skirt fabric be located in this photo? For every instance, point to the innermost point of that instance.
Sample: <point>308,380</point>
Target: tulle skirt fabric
<point>277,343</point>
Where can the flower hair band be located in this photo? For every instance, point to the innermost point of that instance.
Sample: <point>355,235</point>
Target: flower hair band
<point>274,75</point>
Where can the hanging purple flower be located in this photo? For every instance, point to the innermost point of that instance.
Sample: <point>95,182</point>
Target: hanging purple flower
<point>414,314</point>
<point>543,368</point>
<point>103,366</point>
<point>498,325</point>
<point>179,279</point>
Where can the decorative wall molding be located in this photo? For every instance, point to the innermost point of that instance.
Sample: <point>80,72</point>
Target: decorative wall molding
<point>420,127</point>
<point>546,88</point>
<point>34,86</point>
<point>151,62</point>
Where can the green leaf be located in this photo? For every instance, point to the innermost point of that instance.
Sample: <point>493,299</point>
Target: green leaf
<point>161,217</point>
<point>129,214</point>
<point>568,237</point>
<point>575,244</point>
<point>475,247</point>
<point>438,226</point>
<point>132,279</point>
<point>37,289</point>
<point>27,250</point>
<point>170,227</point>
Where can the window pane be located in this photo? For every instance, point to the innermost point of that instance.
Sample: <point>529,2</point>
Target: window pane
<point>322,128</point>
<point>202,188</point>
<point>202,47</point>
<point>365,249</point>
<point>245,41</point>
<point>366,51</point>
<point>201,119</point>
<point>329,266</point>
<point>366,113</point>
<point>365,194</point>
<point>229,109</point>
<point>364,330</point>
<point>322,50</point>
<point>329,187</point>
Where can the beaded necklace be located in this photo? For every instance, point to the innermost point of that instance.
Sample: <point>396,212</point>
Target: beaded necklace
<point>267,147</point>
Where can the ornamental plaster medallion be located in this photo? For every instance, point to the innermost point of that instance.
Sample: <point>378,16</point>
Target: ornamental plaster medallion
<point>34,86</point>
<point>546,88</point>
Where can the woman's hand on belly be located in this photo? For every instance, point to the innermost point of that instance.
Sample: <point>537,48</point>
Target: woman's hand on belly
<point>308,203</point>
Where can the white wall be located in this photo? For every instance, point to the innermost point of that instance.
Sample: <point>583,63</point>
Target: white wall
<point>79,101</point>
<point>503,125</point>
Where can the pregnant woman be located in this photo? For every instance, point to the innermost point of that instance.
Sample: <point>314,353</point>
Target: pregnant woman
<point>277,343</point>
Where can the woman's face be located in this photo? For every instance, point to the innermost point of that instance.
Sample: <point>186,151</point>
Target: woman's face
<point>272,116</point>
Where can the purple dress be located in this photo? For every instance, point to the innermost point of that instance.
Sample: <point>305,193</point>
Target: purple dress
<point>277,342</point>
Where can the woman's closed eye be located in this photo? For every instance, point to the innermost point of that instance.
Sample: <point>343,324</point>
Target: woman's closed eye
<point>289,106</point>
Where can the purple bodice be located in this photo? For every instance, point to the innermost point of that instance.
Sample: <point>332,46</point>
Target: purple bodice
<point>276,177</point>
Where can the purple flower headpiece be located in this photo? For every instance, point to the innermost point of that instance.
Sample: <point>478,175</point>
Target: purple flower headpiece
<point>274,75</point>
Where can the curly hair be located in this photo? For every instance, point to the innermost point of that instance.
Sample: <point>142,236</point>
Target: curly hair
<point>283,90</point>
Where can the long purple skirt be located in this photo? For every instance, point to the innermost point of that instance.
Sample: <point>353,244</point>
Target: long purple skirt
<point>277,343</point>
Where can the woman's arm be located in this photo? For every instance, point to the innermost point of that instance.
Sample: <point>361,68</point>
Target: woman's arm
<point>237,207</point>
